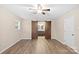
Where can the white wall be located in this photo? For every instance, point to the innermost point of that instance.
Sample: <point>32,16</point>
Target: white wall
<point>60,28</point>
<point>26,29</point>
<point>76,14</point>
<point>53,30</point>
<point>8,32</point>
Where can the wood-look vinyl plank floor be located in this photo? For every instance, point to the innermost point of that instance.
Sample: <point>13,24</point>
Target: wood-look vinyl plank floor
<point>39,46</point>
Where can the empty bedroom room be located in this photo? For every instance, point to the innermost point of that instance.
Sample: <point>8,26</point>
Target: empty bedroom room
<point>39,28</point>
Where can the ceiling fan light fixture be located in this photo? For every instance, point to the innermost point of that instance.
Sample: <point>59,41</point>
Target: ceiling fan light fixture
<point>39,11</point>
<point>46,9</point>
<point>43,13</point>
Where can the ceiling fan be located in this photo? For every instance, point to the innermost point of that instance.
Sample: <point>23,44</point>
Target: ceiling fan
<point>40,9</point>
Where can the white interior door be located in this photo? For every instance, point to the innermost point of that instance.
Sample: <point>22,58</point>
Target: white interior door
<point>69,34</point>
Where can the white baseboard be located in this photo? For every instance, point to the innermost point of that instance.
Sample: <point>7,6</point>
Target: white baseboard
<point>27,38</point>
<point>74,48</point>
<point>9,46</point>
<point>13,44</point>
<point>76,51</point>
<point>30,39</point>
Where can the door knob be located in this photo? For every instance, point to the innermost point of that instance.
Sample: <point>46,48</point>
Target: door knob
<point>73,34</point>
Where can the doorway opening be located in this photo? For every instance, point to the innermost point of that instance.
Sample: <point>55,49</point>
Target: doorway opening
<point>41,29</point>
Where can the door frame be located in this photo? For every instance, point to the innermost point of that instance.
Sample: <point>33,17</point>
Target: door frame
<point>46,36</point>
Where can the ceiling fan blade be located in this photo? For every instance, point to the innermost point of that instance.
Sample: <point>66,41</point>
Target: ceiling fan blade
<point>43,13</point>
<point>46,10</point>
<point>32,9</point>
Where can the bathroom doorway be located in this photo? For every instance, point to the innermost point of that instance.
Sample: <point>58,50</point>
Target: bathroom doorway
<point>41,29</point>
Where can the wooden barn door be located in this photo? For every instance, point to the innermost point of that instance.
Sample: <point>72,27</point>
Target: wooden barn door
<point>34,30</point>
<point>48,30</point>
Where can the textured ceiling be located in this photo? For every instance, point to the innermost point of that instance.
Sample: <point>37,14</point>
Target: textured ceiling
<point>56,10</point>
